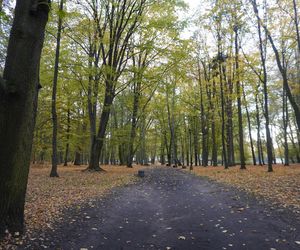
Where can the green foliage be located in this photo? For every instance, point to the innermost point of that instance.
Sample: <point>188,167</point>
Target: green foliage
<point>178,81</point>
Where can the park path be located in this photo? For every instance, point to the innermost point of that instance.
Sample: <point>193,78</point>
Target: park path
<point>171,209</point>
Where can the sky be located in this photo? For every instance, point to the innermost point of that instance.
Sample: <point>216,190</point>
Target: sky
<point>193,5</point>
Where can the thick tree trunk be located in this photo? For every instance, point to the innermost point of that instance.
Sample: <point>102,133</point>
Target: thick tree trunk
<point>228,94</point>
<point>92,94</point>
<point>78,157</point>
<point>18,103</point>
<point>98,141</point>
<point>53,172</point>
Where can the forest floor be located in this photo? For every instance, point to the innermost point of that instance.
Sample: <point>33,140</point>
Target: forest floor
<point>280,188</point>
<point>168,209</point>
<point>47,198</point>
<point>172,209</point>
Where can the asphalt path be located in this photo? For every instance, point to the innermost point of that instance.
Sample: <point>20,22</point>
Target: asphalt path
<point>172,209</point>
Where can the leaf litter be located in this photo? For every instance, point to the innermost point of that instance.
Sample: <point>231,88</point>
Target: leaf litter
<point>281,187</point>
<point>47,198</point>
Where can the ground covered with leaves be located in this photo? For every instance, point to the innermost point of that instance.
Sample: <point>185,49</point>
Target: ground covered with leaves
<point>172,209</point>
<point>47,198</point>
<point>281,187</point>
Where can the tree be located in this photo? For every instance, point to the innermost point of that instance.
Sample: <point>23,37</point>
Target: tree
<point>18,102</point>
<point>280,63</point>
<point>120,22</point>
<point>54,90</point>
<point>265,85</point>
<point>239,102</point>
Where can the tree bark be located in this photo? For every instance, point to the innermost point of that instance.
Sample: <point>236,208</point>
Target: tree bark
<point>18,103</point>
<point>265,85</point>
<point>285,118</point>
<point>133,123</point>
<point>239,103</point>
<point>223,123</point>
<point>53,172</point>
<point>249,128</point>
<point>297,149</point>
<point>68,139</point>
<point>296,21</point>
<point>259,144</point>
<point>77,160</point>
<point>214,154</point>
<point>203,118</point>
<point>98,141</point>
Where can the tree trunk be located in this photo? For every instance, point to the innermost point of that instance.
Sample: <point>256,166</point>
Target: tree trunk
<point>296,21</point>
<point>191,154</point>
<point>214,154</point>
<point>92,93</point>
<point>280,65</point>
<point>162,154</point>
<point>224,159</point>
<point>204,126</point>
<point>53,172</point>
<point>136,99</point>
<point>98,141</point>
<point>259,144</point>
<point>297,149</point>
<point>186,141</point>
<point>249,128</point>
<point>68,138</point>
<point>18,103</point>
<point>196,150</point>
<point>285,118</point>
<point>265,86</point>
<point>239,103</point>
<point>228,93</point>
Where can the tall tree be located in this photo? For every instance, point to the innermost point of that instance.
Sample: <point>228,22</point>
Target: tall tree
<point>120,22</point>
<point>265,83</point>
<point>280,64</point>
<point>53,172</point>
<point>18,102</point>
<point>239,103</point>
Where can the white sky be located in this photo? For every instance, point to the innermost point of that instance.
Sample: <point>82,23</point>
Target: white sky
<point>192,3</point>
<point>193,6</point>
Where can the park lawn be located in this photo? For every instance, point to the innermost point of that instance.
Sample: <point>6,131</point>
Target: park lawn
<point>47,197</point>
<point>281,187</point>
